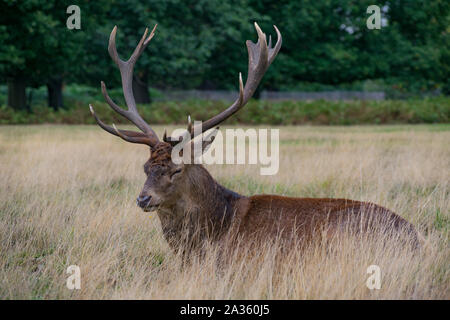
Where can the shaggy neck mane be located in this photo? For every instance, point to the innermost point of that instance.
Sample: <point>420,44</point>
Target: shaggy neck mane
<point>204,207</point>
<point>213,200</point>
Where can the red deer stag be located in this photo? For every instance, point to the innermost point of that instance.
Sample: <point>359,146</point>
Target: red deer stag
<point>186,195</point>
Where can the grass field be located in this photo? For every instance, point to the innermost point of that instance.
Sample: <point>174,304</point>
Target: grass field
<point>67,197</point>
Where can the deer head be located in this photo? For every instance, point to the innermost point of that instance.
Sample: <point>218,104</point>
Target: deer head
<point>167,182</point>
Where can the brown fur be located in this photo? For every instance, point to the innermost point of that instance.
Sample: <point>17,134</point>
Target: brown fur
<point>197,208</point>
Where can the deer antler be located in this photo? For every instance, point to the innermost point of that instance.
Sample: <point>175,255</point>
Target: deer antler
<point>147,136</point>
<point>260,56</point>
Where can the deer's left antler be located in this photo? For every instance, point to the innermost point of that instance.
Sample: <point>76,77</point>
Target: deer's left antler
<point>260,56</point>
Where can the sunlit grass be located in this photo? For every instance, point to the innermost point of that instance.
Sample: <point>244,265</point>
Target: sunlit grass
<point>67,198</point>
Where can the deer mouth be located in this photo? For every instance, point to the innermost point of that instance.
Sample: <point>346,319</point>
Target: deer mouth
<point>151,207</point>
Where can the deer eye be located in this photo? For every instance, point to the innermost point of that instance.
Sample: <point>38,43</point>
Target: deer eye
<point>174,173</point>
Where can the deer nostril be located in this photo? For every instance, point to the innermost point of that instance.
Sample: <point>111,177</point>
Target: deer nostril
<point>143,201</point>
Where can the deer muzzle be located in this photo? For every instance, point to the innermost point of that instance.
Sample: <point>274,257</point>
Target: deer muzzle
<point>143,202</point>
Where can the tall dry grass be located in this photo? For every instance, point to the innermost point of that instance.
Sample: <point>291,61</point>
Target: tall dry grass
<point>67,198</point>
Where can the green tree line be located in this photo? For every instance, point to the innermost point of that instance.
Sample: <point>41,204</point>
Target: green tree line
<point>200,44</point>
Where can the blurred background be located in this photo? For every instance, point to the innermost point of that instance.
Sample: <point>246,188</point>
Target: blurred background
<point>331,68</point>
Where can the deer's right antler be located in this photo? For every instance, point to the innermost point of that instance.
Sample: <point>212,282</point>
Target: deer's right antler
<point>147,136</point>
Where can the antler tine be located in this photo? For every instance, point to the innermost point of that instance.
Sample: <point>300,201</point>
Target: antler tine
<point>112,47</point>
<point>133,137</point>
<point>111,103</point>
<point>260,56</point>
<point>143,43</point>
<point>189,128</point>
<point>274,51</point>
<point>130,136</point>
<point>126,71</point>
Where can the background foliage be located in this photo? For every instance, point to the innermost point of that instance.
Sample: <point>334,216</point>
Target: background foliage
<point>318,112</point>
<point>199,44</point>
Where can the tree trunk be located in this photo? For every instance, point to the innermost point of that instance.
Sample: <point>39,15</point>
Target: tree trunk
<point>257,94</point>
<point>140,88</point>
<point>17,98</point>
<point>54,89</point>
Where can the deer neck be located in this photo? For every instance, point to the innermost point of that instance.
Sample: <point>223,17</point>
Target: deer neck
<point>203,205</point>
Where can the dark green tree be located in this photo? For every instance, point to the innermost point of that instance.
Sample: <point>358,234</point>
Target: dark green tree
<point>328,42</point>
<point>37,47</point>
<point>189,37</point>
<point>23,27</point>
